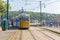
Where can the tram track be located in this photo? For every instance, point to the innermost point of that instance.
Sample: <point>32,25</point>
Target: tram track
<point>20,35</point>
<point>46,35</point>
<point>40,38</point>
<point>32,34</point>
<point>51,34</point>
<point>25,35</point>
<point>37,34</point>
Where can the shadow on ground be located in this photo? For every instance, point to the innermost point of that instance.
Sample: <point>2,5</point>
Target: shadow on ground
<point>13,28</point>
<point>17,28</point>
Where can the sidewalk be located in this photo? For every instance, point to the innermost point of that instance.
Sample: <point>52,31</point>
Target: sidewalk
<point>5,35</point>
<point>53,28</point>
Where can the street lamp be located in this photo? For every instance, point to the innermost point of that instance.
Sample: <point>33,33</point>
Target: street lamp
<point>7,8</point>
<point>7,24</point>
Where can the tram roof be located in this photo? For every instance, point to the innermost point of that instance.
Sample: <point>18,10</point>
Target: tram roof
<point>24,14</point>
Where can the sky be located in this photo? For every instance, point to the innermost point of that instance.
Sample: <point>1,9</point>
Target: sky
<point>51,6</point>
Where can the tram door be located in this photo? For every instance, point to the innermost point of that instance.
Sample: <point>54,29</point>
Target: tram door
<point>17,22</point>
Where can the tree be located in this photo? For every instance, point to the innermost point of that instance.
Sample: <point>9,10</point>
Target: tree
<point>3,7</point>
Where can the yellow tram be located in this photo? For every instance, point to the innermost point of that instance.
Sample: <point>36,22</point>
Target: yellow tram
<point>24,20</point>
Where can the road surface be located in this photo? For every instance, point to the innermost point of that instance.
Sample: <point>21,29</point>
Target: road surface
<point>34,33</point>
<point>37,33</point>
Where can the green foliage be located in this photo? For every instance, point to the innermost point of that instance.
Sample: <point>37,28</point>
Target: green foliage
<point>3,7</point>
<point>14,13</point>
<point>0,14</point>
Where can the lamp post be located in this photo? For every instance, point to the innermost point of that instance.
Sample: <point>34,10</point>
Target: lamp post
<point>41,15</point>
<point>7,8</point>
<point>40,10</point>
<point>7,14</point>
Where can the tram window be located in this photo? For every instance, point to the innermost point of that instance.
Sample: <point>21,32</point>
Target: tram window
<point>25,19</point>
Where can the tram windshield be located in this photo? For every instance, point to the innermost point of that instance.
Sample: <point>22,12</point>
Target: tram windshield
<point>25,19</point>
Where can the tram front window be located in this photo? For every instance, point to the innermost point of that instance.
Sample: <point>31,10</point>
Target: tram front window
<point>25,19</point>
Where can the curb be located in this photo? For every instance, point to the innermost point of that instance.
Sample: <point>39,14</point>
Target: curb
<point>52,31</point>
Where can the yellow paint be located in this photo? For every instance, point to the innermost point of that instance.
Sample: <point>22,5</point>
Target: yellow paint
<point>24,24</point>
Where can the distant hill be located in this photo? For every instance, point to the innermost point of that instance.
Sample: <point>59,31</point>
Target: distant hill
<point>35,15</point>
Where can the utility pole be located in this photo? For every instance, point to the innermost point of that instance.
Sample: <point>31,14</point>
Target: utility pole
<point>7,24</point>
<point>22,10</point>
<point>7,8</point>
<point>40,11</point>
